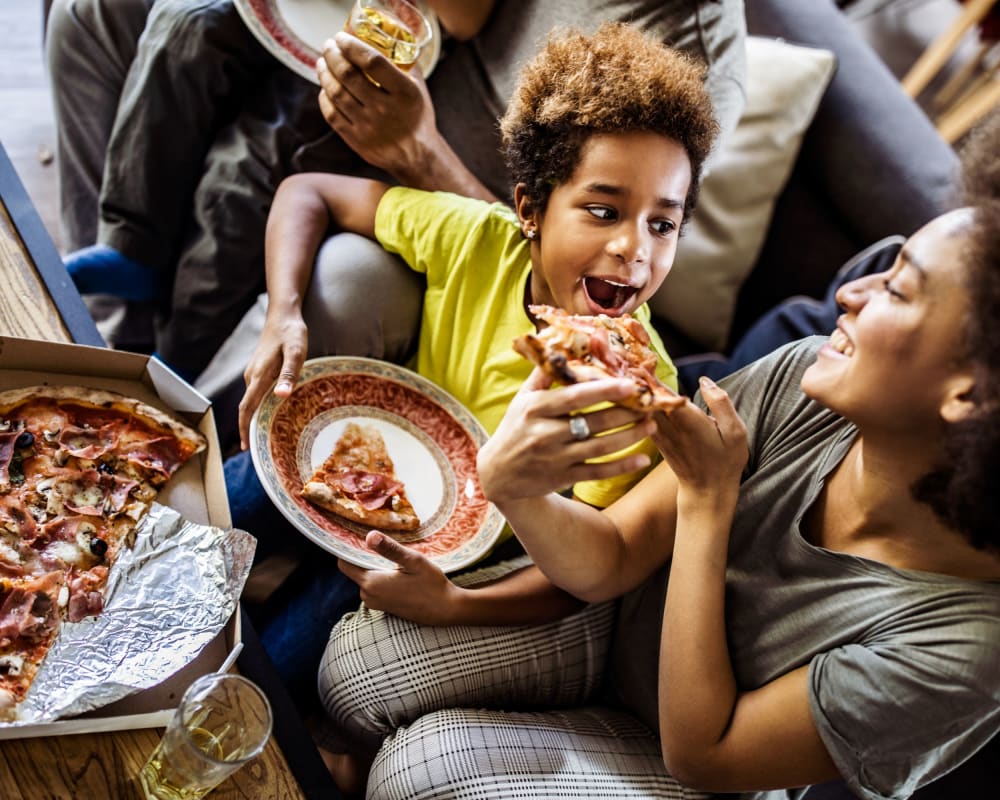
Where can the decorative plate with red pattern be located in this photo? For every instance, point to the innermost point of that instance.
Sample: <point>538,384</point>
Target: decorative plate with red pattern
<point>431,438</point>
<point>293,31</point>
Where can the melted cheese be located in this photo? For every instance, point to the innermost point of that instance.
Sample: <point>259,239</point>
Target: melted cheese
<point>9,554</point>
<point>54,504</point>
<point>86,495</point>
<point>84,536</point>
<point>66,552</point>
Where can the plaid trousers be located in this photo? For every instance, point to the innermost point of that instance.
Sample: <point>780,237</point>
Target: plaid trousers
<point>482,712</point>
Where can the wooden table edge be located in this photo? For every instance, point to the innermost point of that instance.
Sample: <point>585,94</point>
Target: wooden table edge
<point>43,253</point>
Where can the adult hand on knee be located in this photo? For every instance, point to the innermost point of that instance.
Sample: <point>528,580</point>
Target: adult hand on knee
<point>417,590</point>
<point>279,356</point>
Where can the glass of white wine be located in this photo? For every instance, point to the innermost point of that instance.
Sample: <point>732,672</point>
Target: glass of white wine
<point>222,722</point>
<point>396,28</point>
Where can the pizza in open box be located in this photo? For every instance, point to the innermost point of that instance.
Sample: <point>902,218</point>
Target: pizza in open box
<point>79,468</point>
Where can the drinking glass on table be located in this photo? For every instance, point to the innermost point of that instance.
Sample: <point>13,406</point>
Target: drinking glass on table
<point>396,28</point>
<point>222,722</point>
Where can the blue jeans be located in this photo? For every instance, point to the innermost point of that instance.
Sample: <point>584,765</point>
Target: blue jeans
<point>793,319</point>
<point>295,622</point>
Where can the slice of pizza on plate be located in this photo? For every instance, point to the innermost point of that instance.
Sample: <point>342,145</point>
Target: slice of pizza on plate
<point>358,482</point>
<point>575,348</point>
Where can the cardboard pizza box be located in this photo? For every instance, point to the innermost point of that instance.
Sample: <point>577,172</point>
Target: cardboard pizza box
<point>197,490</point>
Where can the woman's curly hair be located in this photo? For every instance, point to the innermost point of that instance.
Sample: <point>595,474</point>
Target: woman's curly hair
<point>615,81</point>
<point>965,490</point>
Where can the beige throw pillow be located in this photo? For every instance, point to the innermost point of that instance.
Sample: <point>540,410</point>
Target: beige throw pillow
<point>724,237</point>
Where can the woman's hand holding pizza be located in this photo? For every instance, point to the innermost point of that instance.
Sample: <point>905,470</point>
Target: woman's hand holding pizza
<point>706,453</point>
<point>538,449</point>
<point>418,590</point>
<point>279,356</point>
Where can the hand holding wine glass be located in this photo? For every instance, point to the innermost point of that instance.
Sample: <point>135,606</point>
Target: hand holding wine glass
<point>381,112</point>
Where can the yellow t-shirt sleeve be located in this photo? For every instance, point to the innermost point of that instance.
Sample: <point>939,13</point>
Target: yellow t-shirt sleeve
<point>604,492</point>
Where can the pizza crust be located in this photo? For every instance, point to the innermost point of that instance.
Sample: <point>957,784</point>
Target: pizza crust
<point>193,440</point>
<point>326,497</point>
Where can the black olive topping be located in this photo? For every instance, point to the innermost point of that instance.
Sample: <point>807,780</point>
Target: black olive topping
<point>98,547</point>
<point>26,439</point>
<point>106,468</point>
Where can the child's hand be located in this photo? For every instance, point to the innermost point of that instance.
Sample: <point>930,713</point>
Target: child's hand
<point>705,452</point>
<point>418,591</point>
<point>279,355</point>
<point>535,451</point>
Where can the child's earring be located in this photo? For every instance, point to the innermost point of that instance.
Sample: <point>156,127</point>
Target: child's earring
<point>531,233</point>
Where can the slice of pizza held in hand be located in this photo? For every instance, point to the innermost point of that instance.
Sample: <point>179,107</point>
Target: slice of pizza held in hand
<point>358,482</point>
<point>79,468</point>
<point>575,348</point>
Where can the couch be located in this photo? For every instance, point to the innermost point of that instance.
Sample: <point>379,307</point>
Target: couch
<point>870,165</point>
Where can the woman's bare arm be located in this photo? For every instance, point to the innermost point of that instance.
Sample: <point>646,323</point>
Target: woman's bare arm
<point>713,736</point>
<point>591,554</point>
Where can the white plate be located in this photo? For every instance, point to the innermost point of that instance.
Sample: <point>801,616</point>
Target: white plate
<point>431,438</point>
<point>294,31</point>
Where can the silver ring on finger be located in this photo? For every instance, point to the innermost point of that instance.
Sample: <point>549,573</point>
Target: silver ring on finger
<point>578,428</point>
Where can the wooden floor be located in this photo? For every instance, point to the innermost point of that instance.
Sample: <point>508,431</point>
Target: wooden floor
<point>27,128</point>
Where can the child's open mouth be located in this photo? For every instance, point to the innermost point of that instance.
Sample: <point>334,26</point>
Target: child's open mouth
<point>607,297</point>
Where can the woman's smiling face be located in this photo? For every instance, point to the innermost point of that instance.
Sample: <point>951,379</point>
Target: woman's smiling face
<point>608,235</point>
<point>896,355</point>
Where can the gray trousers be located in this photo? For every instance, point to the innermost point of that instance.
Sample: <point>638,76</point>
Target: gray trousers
<point>486,711</point>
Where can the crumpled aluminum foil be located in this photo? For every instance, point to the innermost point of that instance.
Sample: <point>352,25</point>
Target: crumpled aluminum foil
<point>166,599</point>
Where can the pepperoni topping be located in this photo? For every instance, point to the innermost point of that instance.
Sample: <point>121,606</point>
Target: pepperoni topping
<point>85,599</point>
<point>15,614</point>
<point>63,529</point>
<point>156,455</point>
<point>120,491</point>
<point>90,443</point>
<point>8,570</point>
<point>13,510</point>
<point>7,439</point>
<point>633,326</point>
<point>27,611</point>
<point>370,490</point>
<point>600,348</point>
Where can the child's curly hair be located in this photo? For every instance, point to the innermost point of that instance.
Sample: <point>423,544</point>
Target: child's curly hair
<point>615,81</point>
<point>965,488</point>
